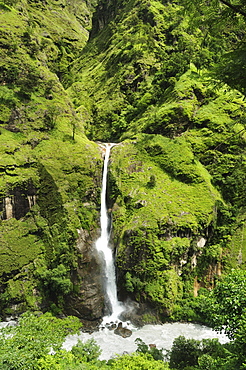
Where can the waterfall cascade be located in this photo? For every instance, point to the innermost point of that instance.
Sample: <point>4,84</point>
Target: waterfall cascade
<point>103,248</point>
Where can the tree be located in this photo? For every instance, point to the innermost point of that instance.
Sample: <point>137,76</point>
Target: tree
<point>184,352</point>
<point>239,8</point>
<point>226,8</point>
<point>240,342</point>
<point>86,352</point>
<point>207,354</point>
<point>228,303</point>
<point>55,280</point>
<point>82,356</point>
<point>33,337</point>
<point>223,25</point>
<point>156,353</point>
<point>137,361</point>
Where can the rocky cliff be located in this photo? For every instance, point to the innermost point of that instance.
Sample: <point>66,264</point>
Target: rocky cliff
<point>50,172</point>
<point>138,74</point>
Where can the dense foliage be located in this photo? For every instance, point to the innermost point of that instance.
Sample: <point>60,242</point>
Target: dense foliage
<point>157,77</point>
<point>23,345</point>
<point>223,20</point>
<point>227,306</point>
<point>225,309</point>
<point>35,343</point>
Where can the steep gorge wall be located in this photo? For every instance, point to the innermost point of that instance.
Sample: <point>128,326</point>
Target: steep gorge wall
<point>50,172</point>
<point>160,224</point>
<point>176,181</point>
<point>48,231</point>
<point>143,72</point>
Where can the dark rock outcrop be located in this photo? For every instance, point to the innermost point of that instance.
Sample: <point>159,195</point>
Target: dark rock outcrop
<point>123,332</point>
<point>18,202</point>
<point>88,303</point>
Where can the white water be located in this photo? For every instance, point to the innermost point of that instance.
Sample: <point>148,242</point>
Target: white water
<point>103,248</point>
<point>160,335</point>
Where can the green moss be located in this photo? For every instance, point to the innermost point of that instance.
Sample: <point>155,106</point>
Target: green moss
<point>23,292</point>
<point>173,156</point>
<point>181,180</point>
<point>149,319</point>
<point>64,179</point>
<point>157,226</point>
<point>165,290</point>
<point>237,245</point>
<point>128,63</point>
<point>39,45</point>
<point>70,166</point>
<point>19,244</point>
<point>169,201</point>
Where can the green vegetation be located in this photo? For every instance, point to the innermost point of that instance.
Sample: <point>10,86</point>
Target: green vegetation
<point>54,175</point>
<point>33,337</point>
<point>144,216</point>
<point>46,173</point>
<point>228,302</point>
<point>147,75</point>
<point>216,20</point>
<point>35,343</point>
<point>224,307</point>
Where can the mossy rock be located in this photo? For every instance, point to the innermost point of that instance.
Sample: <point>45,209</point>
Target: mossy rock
<point>55,182</point>
<point>20,244</point>
<point>157,223</point>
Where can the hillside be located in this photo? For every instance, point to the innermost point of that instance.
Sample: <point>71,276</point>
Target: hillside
<point>143,75</point>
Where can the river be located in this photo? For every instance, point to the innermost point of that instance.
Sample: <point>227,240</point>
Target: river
<point>160,335</point>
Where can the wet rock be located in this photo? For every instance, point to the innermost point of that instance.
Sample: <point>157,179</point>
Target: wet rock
<point>151,345</point>
<point>123,332</point>
<point>140,314</point>
<point>19,201</point>
<point>111,326</point>
<point>88,303</point>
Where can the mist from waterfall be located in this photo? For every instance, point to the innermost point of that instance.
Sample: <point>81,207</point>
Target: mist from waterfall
<point>103,248</point>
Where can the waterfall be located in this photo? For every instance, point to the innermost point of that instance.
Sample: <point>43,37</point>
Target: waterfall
<point>103,248</point>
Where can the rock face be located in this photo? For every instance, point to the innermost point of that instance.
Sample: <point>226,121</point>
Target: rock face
<point>160,240</point>
<point>89,302</point>
<point>104,13</point>
<point>45,178</point>
<point>45,264</point>
<point>19,202</point>
<point>172,179</point>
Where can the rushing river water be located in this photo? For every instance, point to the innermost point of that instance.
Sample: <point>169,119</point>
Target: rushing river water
<point>160,335</point>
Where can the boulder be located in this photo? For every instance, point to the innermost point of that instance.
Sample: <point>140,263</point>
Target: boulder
<point>123,332</point>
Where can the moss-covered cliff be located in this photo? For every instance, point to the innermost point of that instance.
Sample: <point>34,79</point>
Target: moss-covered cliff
<point>178,199</point>
<point>140,74</point>
<point>50,172</point>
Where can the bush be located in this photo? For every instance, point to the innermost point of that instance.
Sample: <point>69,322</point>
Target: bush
<point>86,352</point>
<point>191,353</point>
<point>55,279</point>
<point>22,346</point>
<point>137,361</point>
<point>184,352</point>
<point>156,353</point>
